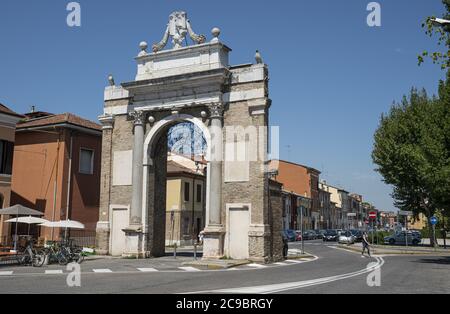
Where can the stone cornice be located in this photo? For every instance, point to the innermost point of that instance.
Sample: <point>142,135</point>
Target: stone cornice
<point>107,122</point>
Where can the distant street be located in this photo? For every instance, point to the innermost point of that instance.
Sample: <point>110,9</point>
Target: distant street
<point>335,271</point>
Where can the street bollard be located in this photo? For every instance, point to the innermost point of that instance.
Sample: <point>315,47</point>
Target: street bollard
<point>195,251</point>
<point>175,251</point>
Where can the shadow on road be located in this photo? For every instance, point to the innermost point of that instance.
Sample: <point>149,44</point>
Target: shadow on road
<point>440,260</point>
<point>184,254</point>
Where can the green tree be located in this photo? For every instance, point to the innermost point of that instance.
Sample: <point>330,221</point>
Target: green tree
<point>412,151</point>
<point>443,35</point>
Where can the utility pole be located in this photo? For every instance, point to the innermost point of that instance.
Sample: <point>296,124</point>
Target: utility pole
<point>301,222</point>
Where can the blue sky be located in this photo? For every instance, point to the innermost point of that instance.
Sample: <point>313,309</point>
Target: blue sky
<point>331,76</point>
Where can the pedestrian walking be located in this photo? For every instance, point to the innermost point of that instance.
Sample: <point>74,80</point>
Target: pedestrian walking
<point>200,237</point>
<point>365,244</point>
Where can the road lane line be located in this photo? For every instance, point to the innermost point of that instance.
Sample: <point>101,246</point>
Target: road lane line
<point>294,261</point>
<point>281,263</point>
<point>54,272</point>
<point>274,288</point>
<point>147,270</point>
<point>254,265</point>
<point>6,273</point>
<point>102,271</point>
<point>189,268</point>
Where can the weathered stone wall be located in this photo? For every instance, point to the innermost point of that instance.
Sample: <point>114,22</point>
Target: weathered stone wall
<point>255,191</point>
<point>157,182</point>
<point>276,221</point>
<point>109,140</point>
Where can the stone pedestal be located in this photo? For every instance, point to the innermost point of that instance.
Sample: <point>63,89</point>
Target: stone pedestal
<point>102,238</point>
<point>133,243</point>
<point>213,242</point>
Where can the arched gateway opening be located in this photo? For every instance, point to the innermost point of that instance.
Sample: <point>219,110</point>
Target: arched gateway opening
<point>175,202</point>
<point>195,84</point>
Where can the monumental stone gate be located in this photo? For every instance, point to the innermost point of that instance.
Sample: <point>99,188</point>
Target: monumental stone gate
<point>230,105</point>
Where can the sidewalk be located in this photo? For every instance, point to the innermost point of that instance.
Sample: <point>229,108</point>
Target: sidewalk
<point>389,249</point>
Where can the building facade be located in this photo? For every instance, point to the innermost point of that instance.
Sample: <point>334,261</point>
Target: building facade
<point>8,121</point>
<point>303,182</point>
<point>326,215</point>
<point>57,169</point>
<point>185,201</point>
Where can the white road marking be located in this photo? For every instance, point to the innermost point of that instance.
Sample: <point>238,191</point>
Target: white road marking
<point>281,264</point>
<point>189,268</point>
<point>6,273</point>
<point>54,272</point>
<point>295,261</point>
<point>256,265</point>
<point>274,288</point>
<point>102,271</point>
<point>147,270</point>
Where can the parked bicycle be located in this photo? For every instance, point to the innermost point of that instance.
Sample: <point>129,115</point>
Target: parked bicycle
<point>31,256</point>
<point>63,252</point>
<point>56,254</point>
<point>74,253</point>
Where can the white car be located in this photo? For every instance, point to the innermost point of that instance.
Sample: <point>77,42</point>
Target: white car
<point>346,237</point>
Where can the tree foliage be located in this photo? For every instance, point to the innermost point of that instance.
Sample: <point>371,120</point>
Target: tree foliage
<point>412,151</point>
<point>443,35</point>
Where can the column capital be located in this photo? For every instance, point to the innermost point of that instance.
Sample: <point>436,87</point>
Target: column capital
<point>216,110</point>
<point>137,116</point>
<point>107,121</point>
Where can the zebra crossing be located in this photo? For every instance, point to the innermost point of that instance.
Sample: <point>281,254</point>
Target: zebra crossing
<point>146,270</point>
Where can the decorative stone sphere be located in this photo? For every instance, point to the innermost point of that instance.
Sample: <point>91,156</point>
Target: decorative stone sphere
<point>203,114</point>
<point>143,45</point>
<point>151,119</point>
<point>215,32</point>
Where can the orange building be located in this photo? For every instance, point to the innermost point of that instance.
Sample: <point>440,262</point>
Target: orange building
<point>57,169</point>
<point>8,121</point>
<point>300,180</point>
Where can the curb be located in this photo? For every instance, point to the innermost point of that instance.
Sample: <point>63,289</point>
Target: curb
<point>378,250</point>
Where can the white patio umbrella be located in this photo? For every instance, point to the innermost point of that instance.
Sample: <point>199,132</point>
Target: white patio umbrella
<point>27,220</point>
<point>19,210</point>
<point>66,224</point>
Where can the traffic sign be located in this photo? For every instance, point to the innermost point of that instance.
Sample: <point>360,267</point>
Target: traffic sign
<point>434,220</point>
<point>373,215</point>
<point>405,213</point>
<point>351,214</point>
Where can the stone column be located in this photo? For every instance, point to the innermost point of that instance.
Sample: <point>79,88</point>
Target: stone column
<point>103,226</point>
<point>214,231</point>
<point>133,241</point>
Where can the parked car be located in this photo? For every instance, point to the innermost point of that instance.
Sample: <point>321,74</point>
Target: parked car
<point>330,235</point>
<point>400,238</point>
<point>298,235</point>
<point>346,237</point>
<point>290,235</point>
<point>320,233</point>
<point>309,235</point>
<point>358,234</point>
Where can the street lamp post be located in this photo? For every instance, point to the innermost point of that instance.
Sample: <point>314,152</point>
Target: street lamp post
<point>301,223</point>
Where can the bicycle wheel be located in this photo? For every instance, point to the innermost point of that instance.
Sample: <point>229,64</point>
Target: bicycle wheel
<point>22,260</point>
<point>39,259</point>
<point>62,259</point>
<point>79,256</point>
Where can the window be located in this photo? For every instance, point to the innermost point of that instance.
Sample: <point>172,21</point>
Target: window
<point>187,188</point>
<point>6,157</point>
<point>86,161</point>
<point>199,193</point>
<point>186,226</point>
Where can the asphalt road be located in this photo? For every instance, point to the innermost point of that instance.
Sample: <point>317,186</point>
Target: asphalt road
<point>335,271</point>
